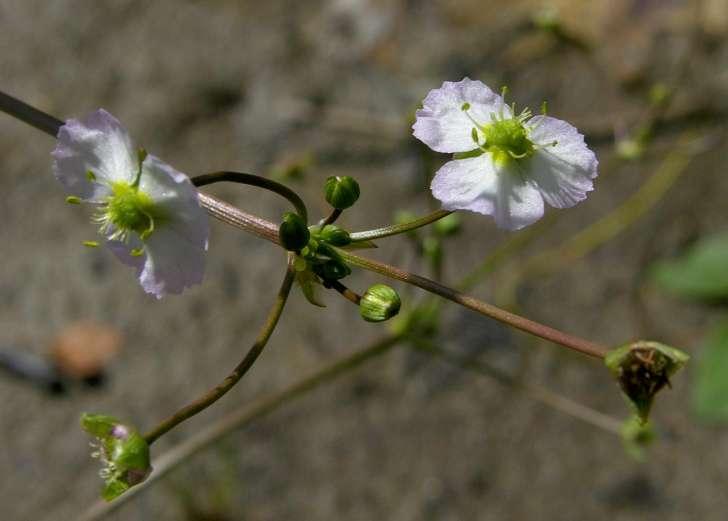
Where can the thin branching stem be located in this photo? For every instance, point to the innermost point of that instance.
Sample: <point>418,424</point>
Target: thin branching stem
<point>548,333</point>
<point>234,377</point>
<point>396,229</point>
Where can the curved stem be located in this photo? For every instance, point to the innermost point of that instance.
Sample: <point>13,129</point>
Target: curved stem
<point>234,377</point>
<point>254,180</point>
<point>240,418</point>
<point>396,229</point>
<point>554,335</point>
<point>335,213</point>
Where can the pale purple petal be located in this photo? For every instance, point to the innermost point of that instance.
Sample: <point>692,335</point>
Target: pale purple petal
<point>172,263</point>
<point>97,143</point>
<point>443,125</point>
<point>519,202</point>
<point>175,194</point>
<point>478,185</point>
<point>563,173</point>
<point>122,250</point>
<point>467,184</point>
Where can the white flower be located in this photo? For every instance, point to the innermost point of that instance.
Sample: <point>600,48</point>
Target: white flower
<point>505,165</point>
<point>146,210</point>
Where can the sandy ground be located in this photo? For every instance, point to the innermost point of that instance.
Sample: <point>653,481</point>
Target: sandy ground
<point>247,85</point>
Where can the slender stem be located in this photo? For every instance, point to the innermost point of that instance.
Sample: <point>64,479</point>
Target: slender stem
<point>254,180</point>
<point>335,213</point>
<point>533,391</point>
<point>234,377</point>
<point>240,418</point>
<point>351,296</point>
<point>572,342</point>
<point>236,217</point>
<point>396,229</point>
<point>30,115</point>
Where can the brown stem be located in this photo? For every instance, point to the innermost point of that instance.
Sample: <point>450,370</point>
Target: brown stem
<point>335,213</point>
<point>348,294</point>
<point>554,335</point>
<point>234,377</point>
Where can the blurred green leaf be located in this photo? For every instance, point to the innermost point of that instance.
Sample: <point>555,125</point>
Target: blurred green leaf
<point>710,390</point>
<point>702,273</point>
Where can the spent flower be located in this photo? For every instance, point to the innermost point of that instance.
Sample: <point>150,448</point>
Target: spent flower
<point>147,212</point>
<point>506,164</point>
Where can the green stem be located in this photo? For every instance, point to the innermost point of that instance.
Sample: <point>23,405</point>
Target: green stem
<point>240,418</point>
<point>572,342</point>
<point>255,180</point>
<point>396,229</point>
<point>234,377</point>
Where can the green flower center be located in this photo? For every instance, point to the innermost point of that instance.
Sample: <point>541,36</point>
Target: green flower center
<point>128,210</point>
<point>507,139</point>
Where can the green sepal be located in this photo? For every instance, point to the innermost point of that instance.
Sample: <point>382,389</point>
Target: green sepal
<point>360,245</point>
<point>123,451</point>
<point>98,425</point>
<point>642,369</point>
<point>309,282</point>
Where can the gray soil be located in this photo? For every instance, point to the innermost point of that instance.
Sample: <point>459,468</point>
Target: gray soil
<point>212,85</point>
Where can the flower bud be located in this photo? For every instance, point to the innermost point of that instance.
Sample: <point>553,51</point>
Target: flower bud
<point>334,235</point>
<point>642,369</point>
<point>341,191</point>
<point>379,303</point>
<point>293,232</point>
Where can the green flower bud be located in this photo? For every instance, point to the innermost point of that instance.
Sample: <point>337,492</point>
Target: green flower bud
<point>642,369</point>
<point>341,191</point>
<point>293,232</point>
<point>334,235</point>
<point>122,450</point>
<point>379,303</point>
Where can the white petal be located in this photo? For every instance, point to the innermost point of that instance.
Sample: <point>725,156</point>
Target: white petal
<point>97,143</point>
<point>176,195</point>
<point>467,184</point>
<point>172,263</point>
<point>519,202</point>
<point>443,125</point>
<point>563,172</point>
<point>122,250</point>
<point>478,185</point>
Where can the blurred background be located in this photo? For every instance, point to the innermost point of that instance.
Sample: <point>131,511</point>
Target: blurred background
<point>300,91</point>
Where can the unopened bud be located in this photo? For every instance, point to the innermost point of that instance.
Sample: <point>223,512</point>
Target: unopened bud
<point>334,235</point>
<point>293,232</point>
<point>341,191</point>
<point>379,303</point>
